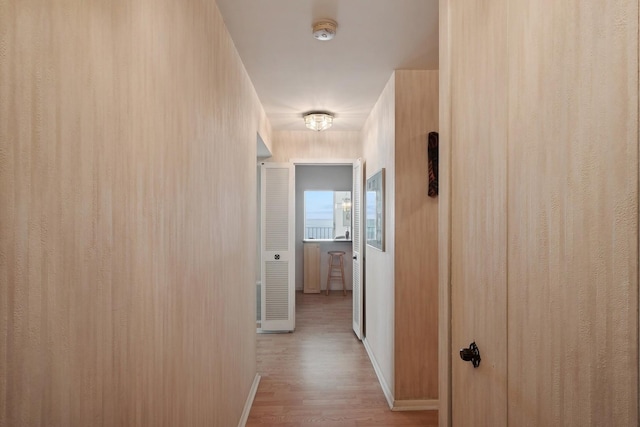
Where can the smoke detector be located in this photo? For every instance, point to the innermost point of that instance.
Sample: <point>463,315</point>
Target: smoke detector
<point>324,29</point>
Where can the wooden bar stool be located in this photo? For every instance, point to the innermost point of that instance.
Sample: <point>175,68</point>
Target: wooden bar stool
<point>335,269</point>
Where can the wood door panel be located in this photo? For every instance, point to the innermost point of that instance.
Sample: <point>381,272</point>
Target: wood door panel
<point>544,211</point>
<point>478,206</point>
<point>415,285</point>
<point>573,170</point>
<point>311,268</point>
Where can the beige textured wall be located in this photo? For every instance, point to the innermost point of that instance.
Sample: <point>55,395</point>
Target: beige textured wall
<point>308,144</point>
<point>573,213</point>
<point>541,135</point>
<point>416,235</point>
<point>378,147</point>
<point>127,228</point>
<point>478,147</point>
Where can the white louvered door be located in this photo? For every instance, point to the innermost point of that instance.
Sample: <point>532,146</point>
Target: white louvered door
<point>358,294</point>
<point>278,258</point>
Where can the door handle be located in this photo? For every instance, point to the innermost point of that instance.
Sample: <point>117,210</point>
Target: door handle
<point>355,257</point>
<point>471,354</point>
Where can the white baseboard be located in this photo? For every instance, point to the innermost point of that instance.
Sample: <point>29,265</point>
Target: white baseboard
<point>383,383</point>
<point>415,405</point>
<point>398,405</point>
<point>249,402</point>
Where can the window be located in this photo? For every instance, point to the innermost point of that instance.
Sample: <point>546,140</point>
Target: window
<point>327,215</point>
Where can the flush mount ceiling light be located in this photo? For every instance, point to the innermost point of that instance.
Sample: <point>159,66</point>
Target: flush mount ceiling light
<point>318,120</point>
<point>324,29</point>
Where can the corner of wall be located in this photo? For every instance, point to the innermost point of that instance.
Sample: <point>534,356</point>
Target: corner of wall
<point>378,150</point>
<point>416,252</point>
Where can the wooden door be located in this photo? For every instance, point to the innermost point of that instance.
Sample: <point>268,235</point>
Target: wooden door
<point>543,114</point>
<point>478,210</point>
<point>573,197</point>
<point>356,216</point>
<point>278,248</point>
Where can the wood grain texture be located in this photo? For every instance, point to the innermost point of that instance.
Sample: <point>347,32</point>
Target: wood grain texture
<point>478,209</point>
<point>571,210</point>
<point>289,145</point>
<point>573,218</point>
<point>321,375</point>
<point>127,228</point>
<point>444,216</point>
<point>378,148</point>
<point>311,268</point>
<point>416,234</point>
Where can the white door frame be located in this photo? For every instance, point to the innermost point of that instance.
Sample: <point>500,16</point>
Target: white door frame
<point>357,246</point>
<point>331,162</point>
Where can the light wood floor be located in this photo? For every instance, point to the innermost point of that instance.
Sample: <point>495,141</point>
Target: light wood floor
<point>320,375</point>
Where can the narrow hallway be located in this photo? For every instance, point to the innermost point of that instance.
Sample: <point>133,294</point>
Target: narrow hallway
<point>320,375</point>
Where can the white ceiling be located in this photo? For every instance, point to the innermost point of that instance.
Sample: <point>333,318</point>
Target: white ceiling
<point>294,73</point>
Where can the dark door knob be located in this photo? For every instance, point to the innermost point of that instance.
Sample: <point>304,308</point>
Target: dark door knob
<point>471,354</point>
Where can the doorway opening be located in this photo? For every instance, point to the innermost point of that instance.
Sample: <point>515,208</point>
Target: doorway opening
<point>323,218</point>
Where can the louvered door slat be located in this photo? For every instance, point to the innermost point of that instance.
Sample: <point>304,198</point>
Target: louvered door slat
<point>277,290</point>
<point>278,298</point>
<point>277,210</point>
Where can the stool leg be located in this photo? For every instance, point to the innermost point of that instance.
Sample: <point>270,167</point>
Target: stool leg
<point>329,274</point>
<point>344,286</point>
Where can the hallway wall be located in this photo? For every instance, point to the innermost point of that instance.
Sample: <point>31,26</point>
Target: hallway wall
<point>307,144</point>
<point>127,227</point>
<point>401,285</point>
<point>378,148</point>
<point>416,257</point>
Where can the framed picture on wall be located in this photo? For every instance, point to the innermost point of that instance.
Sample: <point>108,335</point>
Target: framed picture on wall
<point>374,214</point>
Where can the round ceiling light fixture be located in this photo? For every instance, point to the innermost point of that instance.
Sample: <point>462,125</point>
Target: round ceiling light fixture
<point>318,120</point>
<point>325,29</point>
